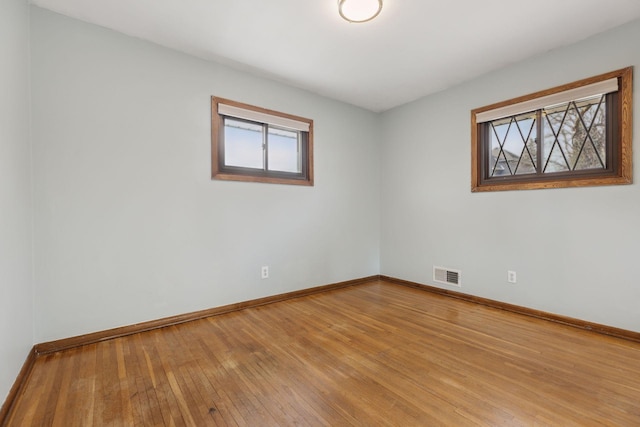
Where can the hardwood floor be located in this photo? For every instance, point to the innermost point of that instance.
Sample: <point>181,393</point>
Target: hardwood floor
<point>378,354</point>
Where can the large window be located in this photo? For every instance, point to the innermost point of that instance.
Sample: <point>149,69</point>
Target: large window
<point>254,144</point>
<point>578,134</point>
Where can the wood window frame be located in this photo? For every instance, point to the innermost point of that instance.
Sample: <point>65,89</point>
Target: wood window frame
<point>620,170</point>
<point>221,172</point>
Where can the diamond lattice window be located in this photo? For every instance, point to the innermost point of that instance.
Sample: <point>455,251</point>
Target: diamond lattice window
<point>575,135</point>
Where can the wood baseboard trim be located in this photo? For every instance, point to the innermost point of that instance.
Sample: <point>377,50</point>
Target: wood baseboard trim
<point>92,338</point>
<point>67,343</point>
<point>19,383</point>
<point>570,321</point>
<point>77,341</point>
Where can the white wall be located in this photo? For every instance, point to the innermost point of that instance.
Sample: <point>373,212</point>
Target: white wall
<point>16,308</point>
<point>129,226</point>
<point>575,250</point>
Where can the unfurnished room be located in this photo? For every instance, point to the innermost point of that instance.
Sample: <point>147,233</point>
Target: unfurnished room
<point>319,213</point>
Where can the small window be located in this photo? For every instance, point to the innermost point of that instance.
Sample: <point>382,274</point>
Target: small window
<point>254,144</point>
<point>573,135</point>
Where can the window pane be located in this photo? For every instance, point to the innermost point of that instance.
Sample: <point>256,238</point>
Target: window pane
<point>575,135</point>
<point>284,151</point>
<point>497,161</point>
<point>513,146</point>
<point>243,144</point>
<point>593,137</point>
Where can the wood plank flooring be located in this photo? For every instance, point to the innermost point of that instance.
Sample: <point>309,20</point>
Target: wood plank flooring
<point>377,354</point>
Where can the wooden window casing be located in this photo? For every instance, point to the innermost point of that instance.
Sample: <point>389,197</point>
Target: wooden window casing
<point>234,173</point>
<point>618,169</point>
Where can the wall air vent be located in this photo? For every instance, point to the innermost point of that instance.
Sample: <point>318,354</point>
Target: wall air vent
<point>448,276</point>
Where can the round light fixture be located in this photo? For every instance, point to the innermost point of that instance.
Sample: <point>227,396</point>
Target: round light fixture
<point>358,11</point>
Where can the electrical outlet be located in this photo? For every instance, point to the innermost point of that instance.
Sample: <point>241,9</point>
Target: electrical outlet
<point>264,273</point>
<point>511,276</point>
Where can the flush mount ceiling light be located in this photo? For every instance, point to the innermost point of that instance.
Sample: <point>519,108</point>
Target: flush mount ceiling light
<point>359,11</point>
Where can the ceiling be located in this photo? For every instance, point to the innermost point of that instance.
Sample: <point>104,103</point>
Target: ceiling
<point>414,48</point>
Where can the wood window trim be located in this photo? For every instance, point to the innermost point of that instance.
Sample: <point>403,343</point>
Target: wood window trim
<point>272,178</point>
<point>624,166</point>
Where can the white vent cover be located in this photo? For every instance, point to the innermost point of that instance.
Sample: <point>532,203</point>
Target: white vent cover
<point>448,276</point>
